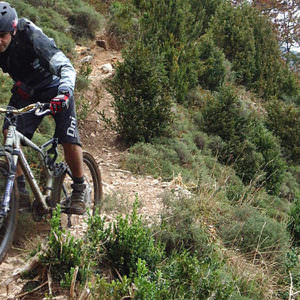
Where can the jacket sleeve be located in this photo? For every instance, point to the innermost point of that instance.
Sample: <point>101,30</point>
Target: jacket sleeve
<point>52,58</point>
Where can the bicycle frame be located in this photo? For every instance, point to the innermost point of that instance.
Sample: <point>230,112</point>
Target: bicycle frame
<point>14,154</point>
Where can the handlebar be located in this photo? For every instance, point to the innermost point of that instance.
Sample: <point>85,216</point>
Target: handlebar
<point>40,109</point>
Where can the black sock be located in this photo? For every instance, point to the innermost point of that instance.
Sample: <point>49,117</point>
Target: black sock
<point>78,180</point>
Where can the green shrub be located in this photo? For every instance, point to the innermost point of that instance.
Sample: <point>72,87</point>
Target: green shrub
<point>125,242</point>
<point>122,24</point>
<point>141,94</point>
<point>172,28</point>
<point>49,18</point>
<point>5,85</point>
<point>291,183</point>
<point>245,143</point>
<point>82,78</point>
<point>294,222</point>
<point>192,278</point>
<point>273,166</point>
<point>149,285</point>
<point>224,116</point>
<point>232,33</point>
<point>212,69</point>
<point>284,120</point>
<point>254,234</point>
<point>181,225</point>
<point>64,253</point>
<point>85,22</point>
<point>62,40</point>
<point>249,43</point>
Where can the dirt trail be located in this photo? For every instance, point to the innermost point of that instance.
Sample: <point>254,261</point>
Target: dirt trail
<point>103,144</point>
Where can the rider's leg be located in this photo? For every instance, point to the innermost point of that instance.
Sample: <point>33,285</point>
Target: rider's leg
<point>74,159</point>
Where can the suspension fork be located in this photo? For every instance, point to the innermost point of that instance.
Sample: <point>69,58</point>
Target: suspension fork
<point>11,154</point>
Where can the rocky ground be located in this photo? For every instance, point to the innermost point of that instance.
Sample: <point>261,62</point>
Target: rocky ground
<point>120,185</point>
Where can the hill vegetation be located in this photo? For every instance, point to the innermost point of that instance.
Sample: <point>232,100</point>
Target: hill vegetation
<point>203,94</point>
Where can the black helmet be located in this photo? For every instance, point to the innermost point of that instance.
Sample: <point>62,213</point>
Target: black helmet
<point>8,17</point>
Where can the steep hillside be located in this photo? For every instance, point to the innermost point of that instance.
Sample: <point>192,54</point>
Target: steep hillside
<point>118,183</point>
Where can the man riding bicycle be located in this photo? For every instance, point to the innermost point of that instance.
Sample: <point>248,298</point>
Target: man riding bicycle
<point>41,73</point>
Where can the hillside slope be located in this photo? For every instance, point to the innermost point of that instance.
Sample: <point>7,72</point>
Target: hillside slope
<point>118,184</point>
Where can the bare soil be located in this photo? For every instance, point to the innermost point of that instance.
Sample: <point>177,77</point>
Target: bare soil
<point>108,151</point>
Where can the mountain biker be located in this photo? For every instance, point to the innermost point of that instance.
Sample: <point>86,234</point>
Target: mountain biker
<point>41,73</point>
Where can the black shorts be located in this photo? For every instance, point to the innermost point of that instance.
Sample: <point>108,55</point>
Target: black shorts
<point>66,129</point>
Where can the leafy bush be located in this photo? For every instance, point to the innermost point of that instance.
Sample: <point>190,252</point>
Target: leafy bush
<point>62,40</point>
<point>294,222</point>
<point>245,142</point>
<point>212,71</point>
<point>5,85</point>
<point>284,120</point>
<point>254,234</point>
<point>232,33</point>
<point>224,116</point>
<point>141,94</point>
<point>273,166</point>
<point>249,43</point>
<point>192,278</point>
<point>64,253</point>
<point>181,225</point>
<point>172,28</point>
<point>49,18</point>
<point>85,22</point>
<point>26,10</point>
<point>124,243</point>
<point>122,24</point>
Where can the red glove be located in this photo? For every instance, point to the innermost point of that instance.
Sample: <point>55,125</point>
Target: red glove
<point>59,103</point>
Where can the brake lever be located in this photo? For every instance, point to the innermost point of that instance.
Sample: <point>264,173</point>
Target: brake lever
<point>39,111</point>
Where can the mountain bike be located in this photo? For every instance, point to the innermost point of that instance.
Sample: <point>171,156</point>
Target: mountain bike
<point>57,177</point>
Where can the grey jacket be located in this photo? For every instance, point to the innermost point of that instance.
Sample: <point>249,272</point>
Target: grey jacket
<point>33,59</point>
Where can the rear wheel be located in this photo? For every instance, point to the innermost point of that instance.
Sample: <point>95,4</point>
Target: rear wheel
<point>92,178</point>
<point>8,224</point>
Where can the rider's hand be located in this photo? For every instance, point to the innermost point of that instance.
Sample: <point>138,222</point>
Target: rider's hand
<point>60,103</point>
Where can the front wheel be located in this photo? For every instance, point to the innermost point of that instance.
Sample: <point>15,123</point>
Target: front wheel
<point>8,224</point>
<point>92,178</point>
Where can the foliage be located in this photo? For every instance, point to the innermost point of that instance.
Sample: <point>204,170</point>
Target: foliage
<point>127,241</point>
<point>122,24</point>
<point>250,44</point>
<point>85,22</point>
<point>64,253</point>
<point>5,85</point>
<point>254,234</point>
<point>273,165</point>
<point>212,68</point>
<point>172,28</point>
<point>182,227</point>
<point>284,15</point>
<point>193,278</point>
<point>82,78</point>
<point>62,40</point>
<point>284,120</point>
<point>233,33</point>
<point>294,223</point>
<point>245,142</point>
<point>182,274</point>
<point>141,94</point>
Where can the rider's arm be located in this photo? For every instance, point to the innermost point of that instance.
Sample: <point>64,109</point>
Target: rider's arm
<point>52,58</point>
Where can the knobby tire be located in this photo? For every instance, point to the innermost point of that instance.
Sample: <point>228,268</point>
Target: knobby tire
<point>8,228</point>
